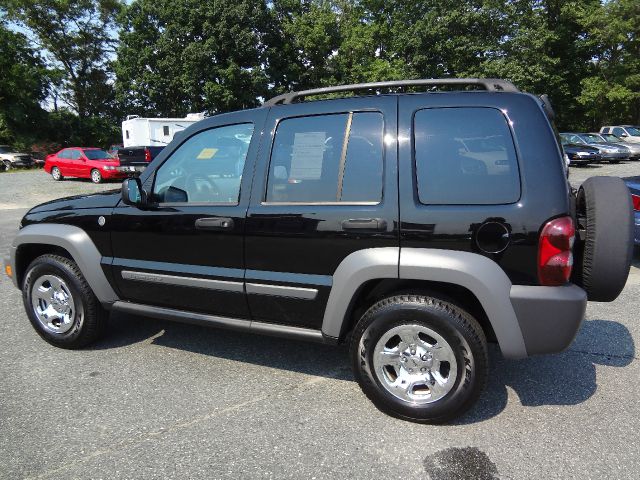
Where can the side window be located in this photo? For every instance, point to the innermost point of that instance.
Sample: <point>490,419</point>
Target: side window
<point>465,156</point>
<point>75,154</point>
<point>207,168</point>
<point>165,130</point>
<point>327,159</point>
<point>66,153</point>
<point>618,131</point>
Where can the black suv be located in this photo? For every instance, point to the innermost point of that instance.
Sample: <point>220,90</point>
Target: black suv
<point>414,226</point>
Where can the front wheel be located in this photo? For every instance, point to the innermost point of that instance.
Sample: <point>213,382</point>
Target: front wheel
<point>96,176</point>
<point>60,304</point>
<point>420,358</point>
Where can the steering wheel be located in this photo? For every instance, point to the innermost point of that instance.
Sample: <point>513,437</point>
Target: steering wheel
<point>201,189</point>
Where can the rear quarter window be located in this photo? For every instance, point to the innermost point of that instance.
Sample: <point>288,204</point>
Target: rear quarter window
<point>465,155</point>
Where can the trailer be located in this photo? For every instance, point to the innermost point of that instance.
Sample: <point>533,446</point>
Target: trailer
<point>154,132</point>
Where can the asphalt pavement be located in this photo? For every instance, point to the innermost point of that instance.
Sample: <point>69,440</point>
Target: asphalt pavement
<point>160,400</point>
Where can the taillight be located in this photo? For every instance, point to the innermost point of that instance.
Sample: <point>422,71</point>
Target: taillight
<point>636,202</point>
<point>555,258</point>
<point>147,155</point>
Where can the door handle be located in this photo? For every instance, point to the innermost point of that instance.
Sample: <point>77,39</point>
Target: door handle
<point>364,224</point>
<point>214,223</point>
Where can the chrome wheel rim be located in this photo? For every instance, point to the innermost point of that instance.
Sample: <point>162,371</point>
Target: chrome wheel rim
<point>95,176</point>
<point>415,364</point>
<point>53,304</point>
<point>55,173</point>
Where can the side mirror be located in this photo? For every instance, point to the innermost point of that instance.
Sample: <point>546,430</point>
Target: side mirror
<point>624,135</point>
<point>132,192</point>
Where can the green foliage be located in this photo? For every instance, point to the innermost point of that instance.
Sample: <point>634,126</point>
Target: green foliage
<point>168,58</point>
<point>180,56</point>
<point>78,37</point>
<point>23,84</point>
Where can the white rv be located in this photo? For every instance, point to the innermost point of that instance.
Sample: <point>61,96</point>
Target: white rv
<point>154,132</point>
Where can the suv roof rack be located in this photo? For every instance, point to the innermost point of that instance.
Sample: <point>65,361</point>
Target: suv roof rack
<point>490,84</point>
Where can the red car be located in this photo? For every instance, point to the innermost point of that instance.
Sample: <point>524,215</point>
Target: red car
<point>81,162</point>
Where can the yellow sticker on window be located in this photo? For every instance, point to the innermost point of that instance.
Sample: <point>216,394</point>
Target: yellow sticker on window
<point>207,153</point>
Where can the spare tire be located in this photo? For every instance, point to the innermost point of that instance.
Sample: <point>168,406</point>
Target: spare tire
<point>605,219</point>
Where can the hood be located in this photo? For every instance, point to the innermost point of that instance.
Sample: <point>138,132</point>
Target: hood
<point>575,148</point>
<point>634,184</point>
<point>108,199</point>
<point>14,154</point>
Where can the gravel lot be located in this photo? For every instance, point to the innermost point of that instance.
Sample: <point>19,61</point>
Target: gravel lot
<point>162,400</point>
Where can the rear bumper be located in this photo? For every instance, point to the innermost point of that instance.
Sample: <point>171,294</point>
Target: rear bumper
<point>132,169</point>
<point>549,317</point>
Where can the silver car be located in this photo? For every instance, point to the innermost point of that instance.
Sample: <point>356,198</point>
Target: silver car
<point>9,158</point>
<point>630,133</point>
<point>609,152</point>
<point>634,148</point>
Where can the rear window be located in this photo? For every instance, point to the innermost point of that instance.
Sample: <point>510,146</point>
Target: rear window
<point>465,156</point>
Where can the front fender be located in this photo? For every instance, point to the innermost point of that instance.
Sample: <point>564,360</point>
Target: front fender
<point>79,245</point>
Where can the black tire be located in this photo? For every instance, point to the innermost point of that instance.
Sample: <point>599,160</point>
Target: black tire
<point>605,214</point>
<point>96,176</point>
<point>460,331</point>
<point>89,317</point>
<point>614,161</point>
<point>56,175</point>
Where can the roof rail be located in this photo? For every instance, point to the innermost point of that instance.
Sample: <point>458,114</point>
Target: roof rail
<point>490,84</point>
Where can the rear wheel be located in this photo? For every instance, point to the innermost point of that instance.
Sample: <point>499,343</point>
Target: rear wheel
<point>55,174</point>
<point>96,176</point>
<point>7,165</point>
<point>605,222</point>
<point>420,358</point>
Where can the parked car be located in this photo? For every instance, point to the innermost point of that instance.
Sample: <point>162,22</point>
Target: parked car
<point>630,133</point>
<point>608,152</point>
<point>634,148</point>
<point>408,225</point>
<point>134,160</point>
<point>10,158</point>
<point>580,155</point>
<point>83,162</point>
<point>634,187</point>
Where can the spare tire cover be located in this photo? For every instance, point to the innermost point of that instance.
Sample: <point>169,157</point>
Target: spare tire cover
<point>605,212</point>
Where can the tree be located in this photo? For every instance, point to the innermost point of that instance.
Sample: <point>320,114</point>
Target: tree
<point>78,37</point>
<point>611,94</point>
<point>23,85</point>
<point>183,56</point>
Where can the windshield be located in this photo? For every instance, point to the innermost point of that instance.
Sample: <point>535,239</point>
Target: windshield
<point>97,155</point>
<point>610,137</point>
<point>594,138</point>
<point>5,149</point>
<point>633,131</point>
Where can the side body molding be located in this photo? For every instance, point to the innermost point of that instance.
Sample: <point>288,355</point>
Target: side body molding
<point>79,245</point>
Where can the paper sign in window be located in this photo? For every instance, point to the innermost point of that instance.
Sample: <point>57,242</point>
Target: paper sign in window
<point>207,153</point>
<point>307,156</point>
